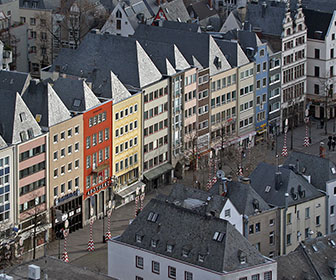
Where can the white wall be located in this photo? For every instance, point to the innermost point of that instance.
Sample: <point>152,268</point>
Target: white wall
<point>331,185</point>
<point>121,265</point>
<point>235,218</point>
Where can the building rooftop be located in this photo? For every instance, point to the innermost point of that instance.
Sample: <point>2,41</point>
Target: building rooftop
<point>314,25</point>
<point>14,81</point>
<point>273,187</point>
<point>175,11</point>
<point>246,200</point>
<point>315,257</point>
<point>320,170</point>
<point>193,237</point>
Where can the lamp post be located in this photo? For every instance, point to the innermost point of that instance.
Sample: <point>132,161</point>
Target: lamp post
<point>139,199</point>
<point>111,206</point>
<point>65,256</point>
<point>91,247</point>
<point>284,152</point>
<point>306,139</point>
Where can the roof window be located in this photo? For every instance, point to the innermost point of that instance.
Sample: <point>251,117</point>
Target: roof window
<point>152,217</point>
<point>218,236</point>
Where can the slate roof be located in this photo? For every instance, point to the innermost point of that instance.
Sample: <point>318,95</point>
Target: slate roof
<point>14,81</point>
<point>55,269</point>
<point>289,183</point>
<point>320,169</point>
<point>314,257</point>
<point>99,54</point>
<point>75,94</point>
<point>322,24</point>
<point>191,27</point>
<point>271,21</point>
<point>176,11</point>
<point>29,4</point>
<point>183,228</point>
<point>205,53</point>
<point>197,200</point>
<point>327,6</point>
<point>43,100</point>
<point>11,106</point>
<point>242,197</point>
<point>202,10</point>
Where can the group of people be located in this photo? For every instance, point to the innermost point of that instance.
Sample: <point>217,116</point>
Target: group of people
<point>332,142</point>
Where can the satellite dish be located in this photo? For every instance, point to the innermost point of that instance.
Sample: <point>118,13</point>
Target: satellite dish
<point>220,174</point>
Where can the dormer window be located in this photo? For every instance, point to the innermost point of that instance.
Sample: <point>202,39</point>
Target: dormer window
<point>138,238</point>
<point>169,248</point>
<point>201,258</point>
<point>185,252</point>
<point>218,236</point>
<point>23,136</point>
<point>242,257</point>
<point>30,133</point>
<point>154,243</point>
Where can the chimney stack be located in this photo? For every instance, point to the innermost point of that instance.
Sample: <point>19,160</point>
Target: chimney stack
<point>210,4</point>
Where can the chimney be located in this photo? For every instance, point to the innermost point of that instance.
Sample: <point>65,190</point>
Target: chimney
<point>297,166</point>
<point>210,4</point>
<point>263,9</point>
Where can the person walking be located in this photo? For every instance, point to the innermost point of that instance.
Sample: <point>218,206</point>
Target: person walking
<point>333,143</point>
<point>329,144</point>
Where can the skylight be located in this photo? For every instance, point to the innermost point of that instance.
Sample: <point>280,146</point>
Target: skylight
<point>77,102</point>
<point>152,217</point>
<point>267,189</point>
<point>218,236</point>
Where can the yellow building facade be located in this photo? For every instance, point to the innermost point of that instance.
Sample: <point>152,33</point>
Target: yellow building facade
<point>127,142</point>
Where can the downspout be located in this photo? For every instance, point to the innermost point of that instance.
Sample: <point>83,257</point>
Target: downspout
<point>326,210</point>
<point>284,224</point>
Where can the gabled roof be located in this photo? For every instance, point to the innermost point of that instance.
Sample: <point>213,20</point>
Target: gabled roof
<point>268,22</point>
<point>202,10</point>
<point>43,100</point>
<point>320,170</point>
<point>184,229</point>
<point>243,197</point>
<point>75,94</point>
<point>205,53</point>
<point>232,22</point>
<point>317,25</point>
<point>99,54</point>
<point>315,257</point>
<point>327,6</point>
<point>14,81</point>
<point>295,185</point>
<point>118,90</point>
<point>175,11</point>
<point>15,118</point>
<point>191,27</point>
<point>197,200</point>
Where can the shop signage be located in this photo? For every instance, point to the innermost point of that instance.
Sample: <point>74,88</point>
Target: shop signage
<point>66,197</point>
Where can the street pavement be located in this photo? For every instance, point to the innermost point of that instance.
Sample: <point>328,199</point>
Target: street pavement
<point>121,217</point>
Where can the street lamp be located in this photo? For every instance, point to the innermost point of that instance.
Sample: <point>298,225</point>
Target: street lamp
<point>91,247</point>
<point>284,152</point>
<point>306,139</point>
<point>111,205</point>
<point>65,256</point>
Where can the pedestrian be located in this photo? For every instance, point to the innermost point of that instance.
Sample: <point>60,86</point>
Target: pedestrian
<point>273,143</point>
<point>329,144</point>
<point>333,144</point>
<point>330,138</point>
<point>334,138</point>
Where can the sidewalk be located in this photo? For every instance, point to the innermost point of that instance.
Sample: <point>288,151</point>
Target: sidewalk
<point>77,241</point>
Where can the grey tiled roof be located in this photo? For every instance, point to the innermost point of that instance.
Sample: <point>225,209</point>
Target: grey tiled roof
<point>197,200</point>
<point>75,94</point>
<point>29,4</point>
<point>192,27</point>
<point>43,100</point>
<point>183,228</point>
<point>176,11</point>
<point>205,53</point>
<point>11,123</point>
<point>14,81</point>
<point>242,196</point>
<point>202,10</point>
<point>264,176</point>
<point>322,24</point>
<point>320,169</point>
<point>327,6</point>
<point>99,54</point>
<point>314,258</point>
<point>271,21</point>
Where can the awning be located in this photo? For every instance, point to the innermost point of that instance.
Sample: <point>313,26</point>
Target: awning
<point>100,168</point>
<point>131,189</point>
<point>158,171</point>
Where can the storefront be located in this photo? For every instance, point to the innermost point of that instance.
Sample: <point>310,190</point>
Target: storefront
<point>261,133</point>
<point>68,207</point>
<point>158,176</point>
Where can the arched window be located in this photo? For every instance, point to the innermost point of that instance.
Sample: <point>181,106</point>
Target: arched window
<point>118,14</point>
<point>300,27</point>
<point>288,31</point>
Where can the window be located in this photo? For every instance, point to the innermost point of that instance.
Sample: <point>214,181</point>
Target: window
<point>317,71</point>
<point>139,262</point>
<point>55,155</point>
<point>227,213</point>
<point>255,277</point>
<point>171,272</point>
<point>69,150</point>
<point>318,221</point>
<point>271,237</point>
<point>332,210</point>
<point>62,135</point>
<point>271,222</point>
<point>138,278</point>
<point>251,229</point>
<point>317,53</point>
<point>289,239</point>
<point>62,170</point>
<point>69,185</point>
<point>94,139</point>
<point>155,267</point>
<point>32,21</point>
<point>169,248</point>
<point>107,133</point>
<point>88,142</point>
<point>100,136</point>
<point>55,191</point>
<point>257,227</point>
<point>77,147</point>
<point>289,218</point>
<point>62,152</point>
<point>55,173</point>
<point>188,275</point>
<point>55,138</point>
<point>307,215</point>
<point>268,275</point>
<point>69,132</point>
<point>316,89</point>
<point>76,163</point>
